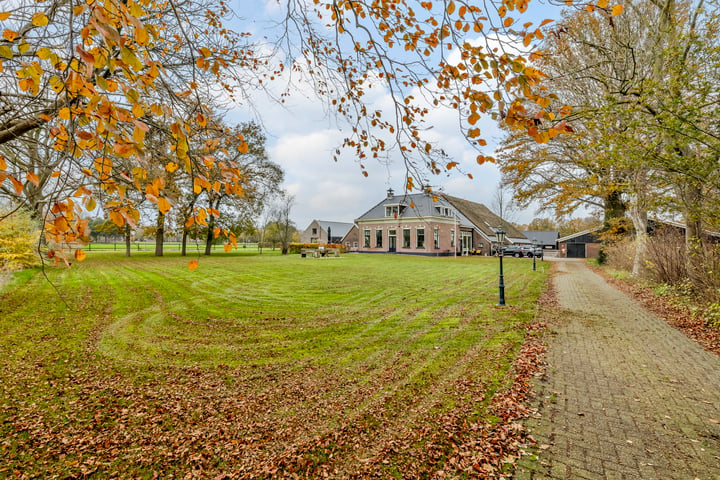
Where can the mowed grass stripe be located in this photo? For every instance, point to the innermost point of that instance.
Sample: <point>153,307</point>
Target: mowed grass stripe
<point>291,349</point>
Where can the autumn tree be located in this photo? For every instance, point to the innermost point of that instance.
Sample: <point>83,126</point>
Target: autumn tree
<point>630,131</point>
<point>19,231</point>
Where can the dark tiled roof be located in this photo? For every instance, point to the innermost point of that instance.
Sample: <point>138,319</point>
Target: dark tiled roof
<point>543,237</point>
<point>416,205</point>
<point>483,218</point>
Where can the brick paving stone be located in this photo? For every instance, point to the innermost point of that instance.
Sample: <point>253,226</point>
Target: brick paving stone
<point>624,395</point>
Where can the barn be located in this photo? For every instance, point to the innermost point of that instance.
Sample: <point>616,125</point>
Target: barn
<point>585,244</point>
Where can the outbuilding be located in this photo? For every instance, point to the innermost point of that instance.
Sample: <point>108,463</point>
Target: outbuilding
<point>585,244</point>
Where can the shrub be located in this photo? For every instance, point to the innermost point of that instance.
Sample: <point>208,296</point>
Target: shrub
<point>297,247</point>
<point>619,255</point>
<point>19,235</point>
<point>666,259</point>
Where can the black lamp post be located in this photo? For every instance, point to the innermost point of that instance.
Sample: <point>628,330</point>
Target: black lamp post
<point>533,252</point>
<point>500,237</point>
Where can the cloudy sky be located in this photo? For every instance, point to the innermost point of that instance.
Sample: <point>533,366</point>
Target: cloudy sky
<point>302,138</point>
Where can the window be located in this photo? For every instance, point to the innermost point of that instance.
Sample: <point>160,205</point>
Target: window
<point>366,243</point>
<point>420,238</point>
<point>378,238</point>
<point>314,231</point>
<point>406,238</point>
<point>436,238</point>
<point>452,238</point>
<point>392,211</point>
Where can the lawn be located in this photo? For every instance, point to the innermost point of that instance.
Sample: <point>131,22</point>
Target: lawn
<point>257,365</point>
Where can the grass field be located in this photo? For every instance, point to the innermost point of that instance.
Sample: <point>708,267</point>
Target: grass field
<point>255,366</point>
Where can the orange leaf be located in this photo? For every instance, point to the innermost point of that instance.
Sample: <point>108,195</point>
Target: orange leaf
<point>617,9</point>
<point>33,178</point>
<point>243,147</point>
<point>80,255</point>
<point>4,15</point>
<point>171,167</point>
<point>546,21</point>
<point>3,164</point>
<point>193,265</point>
<point>10,35</point>
<point>228,247</point>
<point>17,185</point>
<point>216,232</point>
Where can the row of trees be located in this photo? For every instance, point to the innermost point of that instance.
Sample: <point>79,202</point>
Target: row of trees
<point>644,93</point>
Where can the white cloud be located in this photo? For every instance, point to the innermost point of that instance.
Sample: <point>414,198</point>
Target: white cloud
<point>302,137</point>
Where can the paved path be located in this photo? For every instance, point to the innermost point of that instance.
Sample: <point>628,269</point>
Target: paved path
<point>625,395</point>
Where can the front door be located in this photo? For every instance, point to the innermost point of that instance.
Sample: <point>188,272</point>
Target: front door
<point>465,242</point>
<point>392,241</point>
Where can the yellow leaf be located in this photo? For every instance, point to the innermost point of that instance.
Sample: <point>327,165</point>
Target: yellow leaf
<point>4,15</point>
<point>80,255</point>
<point>617,9</point>
<point>90,205</point>
<point>138,110</point>
<point>602,3</point>
<point>171,167</point>
<point>192,265</point>
<point>451,8</point>
<point>40,19</point>
<point>6,51</point>
<point>163,205</point>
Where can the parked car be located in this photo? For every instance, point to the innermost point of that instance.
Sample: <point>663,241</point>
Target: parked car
<point>518,251</point>
<point>529,251</point>
<point>511,251</point>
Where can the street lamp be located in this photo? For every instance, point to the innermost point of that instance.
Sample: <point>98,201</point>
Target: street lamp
<point>500,237</point>
<point>533,252</point>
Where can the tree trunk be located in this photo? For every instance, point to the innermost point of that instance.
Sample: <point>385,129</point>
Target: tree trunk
<point>210,235</point>
<point>693,232</point>
<point>183,250</point>
<point>638,215</point>
<point>159,235</point>
<point>614,206</point>
<point>127,240</point>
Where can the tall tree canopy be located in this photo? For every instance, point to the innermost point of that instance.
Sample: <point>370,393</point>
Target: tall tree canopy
<point>644,94</point>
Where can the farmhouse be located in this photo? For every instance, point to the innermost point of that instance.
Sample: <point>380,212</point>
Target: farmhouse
<point>431,224</point>
<point>321,231</point>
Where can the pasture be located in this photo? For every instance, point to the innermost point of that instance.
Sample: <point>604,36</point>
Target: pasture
<point>256,365</point>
